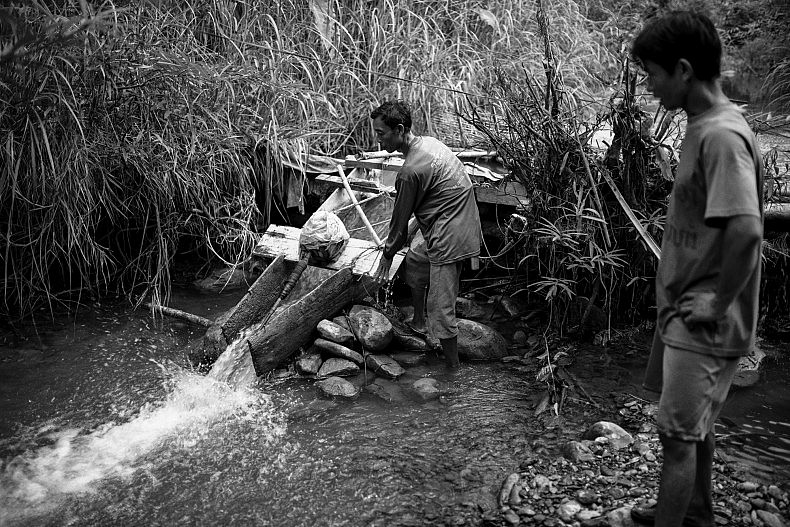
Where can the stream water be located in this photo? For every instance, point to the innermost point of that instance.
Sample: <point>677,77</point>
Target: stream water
<point>102,423</point>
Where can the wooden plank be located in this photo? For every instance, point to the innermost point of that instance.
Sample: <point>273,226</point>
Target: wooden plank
<point>361,256</point>
<point>359,185</point>
<point>511,193</point>
<point>373,165</point>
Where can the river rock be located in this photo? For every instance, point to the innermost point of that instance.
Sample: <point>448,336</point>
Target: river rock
<point>770,519</point>
<point>309,364</point>
<point>337,387</point>
<point>386,390</point>
<point>617,437</point>
<point>384,366</point>
<point>342,321</point>
<point>373,330</point>
<point>334,332</point>
<point>586,496</point>
<point>409,342</point>
<point>577,452</point>
<point>477,341</point>
<point>587,515</point>
<point>409,358</point>
<point>620,517</point>
<point>568,510</point>
<point>427,388</point>
<point>338,350</point>
<point>335,367</point>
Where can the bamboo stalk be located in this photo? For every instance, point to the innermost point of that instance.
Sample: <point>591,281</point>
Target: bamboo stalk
<point>361,213</point>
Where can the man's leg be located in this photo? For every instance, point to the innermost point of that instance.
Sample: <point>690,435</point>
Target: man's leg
<point>678,474</point>
<point>416,273</point>
<point>418,322</point>
<point>441,309</point>
<point>701,505</point>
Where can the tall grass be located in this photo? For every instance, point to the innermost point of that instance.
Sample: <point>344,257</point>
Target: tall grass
<point>135,132</point>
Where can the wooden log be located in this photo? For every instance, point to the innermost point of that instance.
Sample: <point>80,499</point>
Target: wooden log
<point>258,300</point>
<point>177,313</point>
<point>292,326</point>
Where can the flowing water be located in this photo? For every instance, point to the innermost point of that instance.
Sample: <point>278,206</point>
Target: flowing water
<point>103,423</point>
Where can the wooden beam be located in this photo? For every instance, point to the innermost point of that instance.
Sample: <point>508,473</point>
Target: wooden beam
<point>361,256</point>
<point>511,193</point>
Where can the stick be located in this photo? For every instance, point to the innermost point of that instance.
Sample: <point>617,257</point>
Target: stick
<point>195,319</point>
<point>359,209</point>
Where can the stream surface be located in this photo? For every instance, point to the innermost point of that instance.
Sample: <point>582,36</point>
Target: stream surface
<point>102,422</point>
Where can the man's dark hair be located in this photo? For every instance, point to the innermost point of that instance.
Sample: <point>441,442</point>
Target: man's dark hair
<point>394,113</point>
<point>681,35</point>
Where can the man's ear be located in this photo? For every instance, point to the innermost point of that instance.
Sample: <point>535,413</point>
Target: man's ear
<point>400,129</point>
<point>686,69</point>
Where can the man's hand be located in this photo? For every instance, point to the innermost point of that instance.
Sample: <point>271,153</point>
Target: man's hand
<point>700,306</point>
<point>382,275</point>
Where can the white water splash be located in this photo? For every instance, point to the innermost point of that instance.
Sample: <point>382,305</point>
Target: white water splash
<point>37,481</point>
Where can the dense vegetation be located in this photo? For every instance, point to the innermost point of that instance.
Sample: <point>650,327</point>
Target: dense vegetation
<point>137,132</point>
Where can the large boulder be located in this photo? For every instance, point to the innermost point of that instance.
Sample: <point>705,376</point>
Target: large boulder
<point>334,332</point>
<point>477,341</point>
<point>334,349</point>
<point>372,329</point>
<point>384,366</point>
<point>335,367</point>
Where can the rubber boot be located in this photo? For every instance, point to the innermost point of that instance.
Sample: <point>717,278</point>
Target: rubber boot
<point>450,350</point>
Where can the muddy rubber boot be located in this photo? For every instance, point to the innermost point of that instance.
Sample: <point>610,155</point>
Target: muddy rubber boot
<point>450,350</point>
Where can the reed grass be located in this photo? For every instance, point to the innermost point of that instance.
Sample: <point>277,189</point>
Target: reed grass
<point>137,131</point>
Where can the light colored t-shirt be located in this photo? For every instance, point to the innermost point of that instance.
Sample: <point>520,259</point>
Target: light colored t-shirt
<point>719,176</point>
<point>433,184</point>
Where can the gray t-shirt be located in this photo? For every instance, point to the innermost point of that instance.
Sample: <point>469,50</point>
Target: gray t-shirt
<point>719,176</point>
<point>433,184</point>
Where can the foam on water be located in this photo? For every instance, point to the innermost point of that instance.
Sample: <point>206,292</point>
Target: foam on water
<point>76,461</point>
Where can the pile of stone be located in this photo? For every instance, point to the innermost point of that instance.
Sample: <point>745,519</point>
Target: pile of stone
<point>363,342</point>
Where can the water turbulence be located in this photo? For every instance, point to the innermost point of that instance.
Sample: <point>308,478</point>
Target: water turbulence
<point>72,462</point>
<point>235,366</point>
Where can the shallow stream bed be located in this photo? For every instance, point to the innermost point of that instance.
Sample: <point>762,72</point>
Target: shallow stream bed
<point>102,422</point>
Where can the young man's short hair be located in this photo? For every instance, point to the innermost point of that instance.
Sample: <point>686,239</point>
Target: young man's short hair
<point>394,113</point>
<point>681,35</point>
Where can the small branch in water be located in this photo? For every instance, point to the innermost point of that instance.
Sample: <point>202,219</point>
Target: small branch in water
<point>195,319</point>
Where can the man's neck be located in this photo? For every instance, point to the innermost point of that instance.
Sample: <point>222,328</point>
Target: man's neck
<point>703,96</point>
<point>407,139</point>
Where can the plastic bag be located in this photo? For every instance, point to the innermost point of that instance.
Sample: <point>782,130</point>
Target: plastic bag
<point>324,236</point>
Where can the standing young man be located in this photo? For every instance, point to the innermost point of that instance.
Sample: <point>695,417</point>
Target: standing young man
<point>708,279</point>
<point>433,185</point>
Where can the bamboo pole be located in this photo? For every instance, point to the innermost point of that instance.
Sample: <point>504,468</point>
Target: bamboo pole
<point>361,213</point>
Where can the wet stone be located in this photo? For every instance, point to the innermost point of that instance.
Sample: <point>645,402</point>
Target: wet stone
<point>337,387</point>
<point>334,332</point>
<point>427,389</point>
<point>477,341</point>
<point>373,329</point>
<point>309,364</point>
<point>409,358</point>
<point>338,350</point>
<point>338,368</point>
<point>386,390</point>
<point>384,366</point>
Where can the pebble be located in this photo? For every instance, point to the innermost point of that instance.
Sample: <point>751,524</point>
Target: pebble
<point>748,486</point>
<point>586,497</point>
<point>775,492</point>
<point>617,493</point>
